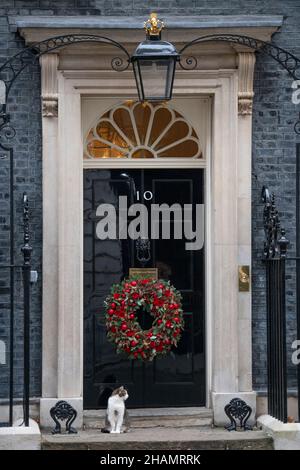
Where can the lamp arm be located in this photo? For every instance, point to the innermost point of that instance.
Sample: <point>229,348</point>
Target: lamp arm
<point>12,68</point>
<point>288,61</point>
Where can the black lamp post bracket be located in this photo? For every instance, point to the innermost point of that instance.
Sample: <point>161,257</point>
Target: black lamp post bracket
<point>288,61</point>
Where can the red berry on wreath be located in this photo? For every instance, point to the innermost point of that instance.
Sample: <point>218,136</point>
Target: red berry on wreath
<point>168,324</point>
<point>130,333</point>
<point>116,296</point>
<point>133,283</point>
<point>113,305</point>
<point>132,316</point>
<point>136,296</point>
<point>176,320</point>
<point>159,321</point>
<point>111,311</point>
<point>133,344</point>
<point>124,327</point>
<point>152,344</point>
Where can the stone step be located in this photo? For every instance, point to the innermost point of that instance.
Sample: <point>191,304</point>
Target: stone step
<point>160,439</point>
<point>155,417</point>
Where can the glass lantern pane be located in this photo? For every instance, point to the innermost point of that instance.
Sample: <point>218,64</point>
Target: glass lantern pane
<point>170,78</point>
<point>155,75</point>
<point>138,80</point>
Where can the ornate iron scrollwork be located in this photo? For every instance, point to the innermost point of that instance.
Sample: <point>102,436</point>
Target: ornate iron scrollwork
<point>63,411</point>
<point>15,65</point>
<point>188,62</point>
<point>276,243</point>
<point>12,68</point>
<point>238,412</point>
<point>7,131</point>
<point>287,60</point>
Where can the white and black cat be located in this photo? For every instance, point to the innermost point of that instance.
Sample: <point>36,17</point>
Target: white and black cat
<point>116,413</point>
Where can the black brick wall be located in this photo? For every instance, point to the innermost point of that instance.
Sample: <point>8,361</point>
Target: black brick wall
<point>274,148</point>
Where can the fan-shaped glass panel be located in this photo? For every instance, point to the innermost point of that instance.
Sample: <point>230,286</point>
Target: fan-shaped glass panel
<point>142,130</point>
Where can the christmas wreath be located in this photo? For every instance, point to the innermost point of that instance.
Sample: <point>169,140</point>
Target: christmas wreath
<point>122,308</point>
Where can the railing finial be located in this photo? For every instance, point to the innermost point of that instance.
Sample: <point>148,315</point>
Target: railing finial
<point>276,243</point>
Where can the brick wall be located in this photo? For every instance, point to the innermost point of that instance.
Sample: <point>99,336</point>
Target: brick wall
<point>274,145</point>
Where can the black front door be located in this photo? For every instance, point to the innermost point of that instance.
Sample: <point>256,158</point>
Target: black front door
<point>179,378</point>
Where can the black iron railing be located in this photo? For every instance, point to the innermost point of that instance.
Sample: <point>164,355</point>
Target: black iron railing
<point>23,307</point>
<point>276,262</point>
<point>276,339</point>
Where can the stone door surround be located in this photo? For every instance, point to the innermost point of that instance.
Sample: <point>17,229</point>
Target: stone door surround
<point>225,73</point>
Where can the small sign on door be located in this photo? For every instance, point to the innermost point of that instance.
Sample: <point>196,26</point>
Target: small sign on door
<point>149,273</point>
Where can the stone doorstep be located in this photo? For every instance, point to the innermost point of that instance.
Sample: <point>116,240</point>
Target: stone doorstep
<point>155,417</point>
<point>160,439</point>
<point>19,437</point>
<point>286,436</point>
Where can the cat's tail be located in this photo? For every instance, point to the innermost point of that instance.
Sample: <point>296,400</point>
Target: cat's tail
<point>105,430</point>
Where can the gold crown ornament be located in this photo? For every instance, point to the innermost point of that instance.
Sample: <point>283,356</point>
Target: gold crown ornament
<point>153,25</point>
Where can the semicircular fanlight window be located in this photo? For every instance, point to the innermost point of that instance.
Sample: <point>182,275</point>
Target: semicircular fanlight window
<point>142,130</point>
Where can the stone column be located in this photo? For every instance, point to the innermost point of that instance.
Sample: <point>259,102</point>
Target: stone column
<point>231,175</point>
<point>62,246</point>
<point>70,245</point>
<point>246,62</point>
<point>49,64</point>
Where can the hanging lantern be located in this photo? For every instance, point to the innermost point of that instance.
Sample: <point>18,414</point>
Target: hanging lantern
<point>154,63</point>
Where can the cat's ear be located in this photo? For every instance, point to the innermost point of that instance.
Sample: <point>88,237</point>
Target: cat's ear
<point>121,388</point>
